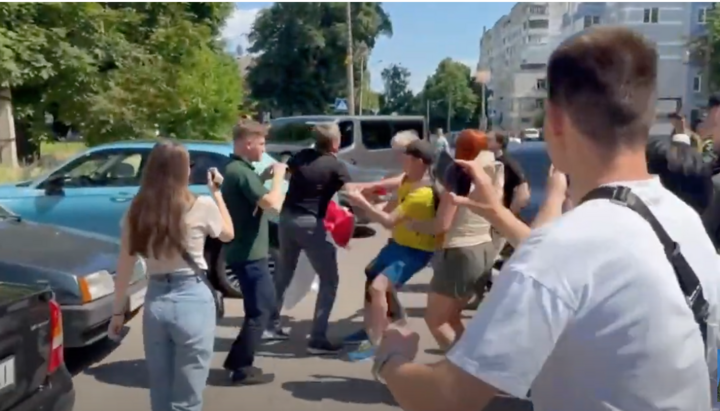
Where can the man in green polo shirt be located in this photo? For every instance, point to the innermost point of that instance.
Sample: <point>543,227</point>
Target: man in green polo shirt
<point>247,200</point>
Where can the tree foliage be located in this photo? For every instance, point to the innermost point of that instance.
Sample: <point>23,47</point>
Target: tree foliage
<point>397,96</point>
<point>120,70</point>
<point>302,52</point>
<point>704,49</point>
<point>452,85</point>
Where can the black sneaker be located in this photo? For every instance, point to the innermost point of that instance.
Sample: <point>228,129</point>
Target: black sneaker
<point>250,376</point>
<point>323,347</point>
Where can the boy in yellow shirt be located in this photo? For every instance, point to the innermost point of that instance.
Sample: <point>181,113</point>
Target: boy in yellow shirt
<point>409,251</point>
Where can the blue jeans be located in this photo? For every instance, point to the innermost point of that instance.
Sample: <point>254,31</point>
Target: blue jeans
<point>307,233</point>
<point>258,289</point>
<point>178,337</point>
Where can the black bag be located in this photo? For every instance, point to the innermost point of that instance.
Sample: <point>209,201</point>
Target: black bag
<point>218,297</point>
<point>689,283</point>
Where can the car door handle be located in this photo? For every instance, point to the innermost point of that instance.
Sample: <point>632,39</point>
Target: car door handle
<point>120,199</point>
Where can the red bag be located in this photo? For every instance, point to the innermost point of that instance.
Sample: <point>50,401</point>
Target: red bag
<point>340,223</point>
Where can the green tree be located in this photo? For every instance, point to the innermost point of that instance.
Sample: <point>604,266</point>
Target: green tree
<point>397,96</point>
<point>704,49</point>
<point>302,52</point>
<point>119,70</point>
<point>449,90</point>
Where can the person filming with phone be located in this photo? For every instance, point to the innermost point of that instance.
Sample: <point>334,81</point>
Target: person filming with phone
<point>612,305</point>
<point>167,226</point>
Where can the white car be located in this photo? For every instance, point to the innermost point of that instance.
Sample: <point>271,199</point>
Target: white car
<point>531,134</point>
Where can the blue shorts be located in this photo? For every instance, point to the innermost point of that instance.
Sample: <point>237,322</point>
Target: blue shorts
<point>398,263</point>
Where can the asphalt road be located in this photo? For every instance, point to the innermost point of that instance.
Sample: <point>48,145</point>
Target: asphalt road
<point>113,377</point>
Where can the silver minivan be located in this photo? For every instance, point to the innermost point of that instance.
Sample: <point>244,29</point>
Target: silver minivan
<point>365,139</point>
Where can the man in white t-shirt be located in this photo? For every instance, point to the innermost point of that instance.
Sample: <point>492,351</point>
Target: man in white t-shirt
<point>588,314</point>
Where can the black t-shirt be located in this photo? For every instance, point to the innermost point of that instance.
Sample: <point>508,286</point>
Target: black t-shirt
<point>514,176</point>
<point>315,177</point>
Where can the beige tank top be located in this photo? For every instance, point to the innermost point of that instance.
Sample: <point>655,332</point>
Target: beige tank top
<point>467,228</point>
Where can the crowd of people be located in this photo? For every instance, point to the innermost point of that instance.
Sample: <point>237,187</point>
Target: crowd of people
<point>611,299</point>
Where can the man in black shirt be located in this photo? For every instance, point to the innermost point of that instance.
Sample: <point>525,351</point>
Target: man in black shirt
<point>516,190</point>
<point>316,175</point>
<point>711,128</point>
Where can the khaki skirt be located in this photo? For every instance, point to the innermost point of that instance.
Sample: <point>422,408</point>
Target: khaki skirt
<point>460,272</point>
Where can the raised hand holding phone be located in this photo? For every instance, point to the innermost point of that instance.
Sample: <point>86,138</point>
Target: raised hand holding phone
<point>214,179</point>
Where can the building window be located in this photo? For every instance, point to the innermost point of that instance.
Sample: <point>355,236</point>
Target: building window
<point>697,83</point>
<point>541,84</point>
<point>538,24</point>
<point>702,15</point>
<point>540,103</point>
<point>537,10</point>
<point>651,15</point>
<point>590,21</point>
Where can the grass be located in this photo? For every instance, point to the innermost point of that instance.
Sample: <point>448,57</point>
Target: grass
<point>51,154</point>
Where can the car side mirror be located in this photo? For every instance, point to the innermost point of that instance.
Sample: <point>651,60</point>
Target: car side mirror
<point>54,185</point>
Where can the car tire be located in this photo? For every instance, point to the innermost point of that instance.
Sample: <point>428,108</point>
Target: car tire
<point>227,282</point>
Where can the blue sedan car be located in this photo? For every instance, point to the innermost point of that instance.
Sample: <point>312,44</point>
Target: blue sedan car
<point>93,190</point>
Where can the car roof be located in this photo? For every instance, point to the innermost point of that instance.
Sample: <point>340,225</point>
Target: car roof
<point>334,117</point>
<point>223,147</point>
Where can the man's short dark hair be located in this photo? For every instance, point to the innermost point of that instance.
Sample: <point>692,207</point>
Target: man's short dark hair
<point>421,149</point>
<point>682,170</point>
<point>605,79</point>
<point>248,128</point>
<point>324,134</point>
<point>501,138</point>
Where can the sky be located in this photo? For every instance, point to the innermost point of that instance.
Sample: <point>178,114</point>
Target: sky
<point>424,34</point>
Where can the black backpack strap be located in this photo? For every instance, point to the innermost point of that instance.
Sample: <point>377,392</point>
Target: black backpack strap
<point>688,280</point>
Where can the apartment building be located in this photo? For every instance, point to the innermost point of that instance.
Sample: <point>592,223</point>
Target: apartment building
<point>519,89</point>
<point>515,51</point>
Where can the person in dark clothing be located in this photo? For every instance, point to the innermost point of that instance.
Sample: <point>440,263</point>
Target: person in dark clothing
<point>516,190</point>
<point>710,128</point>
<point>316,175</point>
<point>681,169</point>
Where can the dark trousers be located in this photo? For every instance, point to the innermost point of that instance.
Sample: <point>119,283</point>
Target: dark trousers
<point>259,302</point>
<point>307,233</point>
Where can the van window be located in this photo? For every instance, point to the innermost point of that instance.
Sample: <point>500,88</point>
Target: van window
<point>299,131</point>
<point>376,134</point>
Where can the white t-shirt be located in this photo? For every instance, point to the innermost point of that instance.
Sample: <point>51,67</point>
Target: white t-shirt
<point>588,313</point>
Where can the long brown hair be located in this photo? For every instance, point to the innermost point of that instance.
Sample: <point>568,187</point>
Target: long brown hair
<point>156,216</point>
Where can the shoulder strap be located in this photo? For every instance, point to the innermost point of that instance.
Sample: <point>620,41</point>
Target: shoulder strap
<point>688,280</point>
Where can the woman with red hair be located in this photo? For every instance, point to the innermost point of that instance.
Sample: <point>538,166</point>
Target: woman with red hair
<point>465,248</point>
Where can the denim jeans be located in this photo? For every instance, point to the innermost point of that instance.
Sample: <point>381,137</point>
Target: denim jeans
<point>307,233</point>
<point>178,337</point>
<point>258,292</point>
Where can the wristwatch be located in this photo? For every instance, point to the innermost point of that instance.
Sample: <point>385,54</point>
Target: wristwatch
<point>380,362</point>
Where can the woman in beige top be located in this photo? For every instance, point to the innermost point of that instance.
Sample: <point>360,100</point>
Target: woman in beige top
<point>466,250</point>
<point>165,221</point>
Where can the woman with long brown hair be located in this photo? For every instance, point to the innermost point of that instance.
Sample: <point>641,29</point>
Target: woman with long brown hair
<point>167,226</point>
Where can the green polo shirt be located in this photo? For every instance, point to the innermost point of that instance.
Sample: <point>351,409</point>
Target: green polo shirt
<point>241,190</point>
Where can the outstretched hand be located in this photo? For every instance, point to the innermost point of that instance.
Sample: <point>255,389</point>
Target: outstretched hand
<point>484,195</point>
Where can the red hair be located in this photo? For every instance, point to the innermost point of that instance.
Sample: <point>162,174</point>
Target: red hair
<point>469,144</point>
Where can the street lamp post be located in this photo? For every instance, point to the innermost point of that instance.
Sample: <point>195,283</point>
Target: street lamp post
<point>349,63</point>
<point>482,77</point>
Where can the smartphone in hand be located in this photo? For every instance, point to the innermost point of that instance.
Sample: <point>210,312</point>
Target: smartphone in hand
<point>217,178</point>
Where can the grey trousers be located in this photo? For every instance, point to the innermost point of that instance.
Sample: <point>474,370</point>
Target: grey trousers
<point>307,233</point>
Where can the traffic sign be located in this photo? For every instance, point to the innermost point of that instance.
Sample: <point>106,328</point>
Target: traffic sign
<point>341,104</point>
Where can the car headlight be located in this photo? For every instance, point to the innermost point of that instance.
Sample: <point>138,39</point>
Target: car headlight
<point>96,285</point>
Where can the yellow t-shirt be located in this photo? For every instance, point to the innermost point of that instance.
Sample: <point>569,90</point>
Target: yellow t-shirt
<point>418,204</point>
